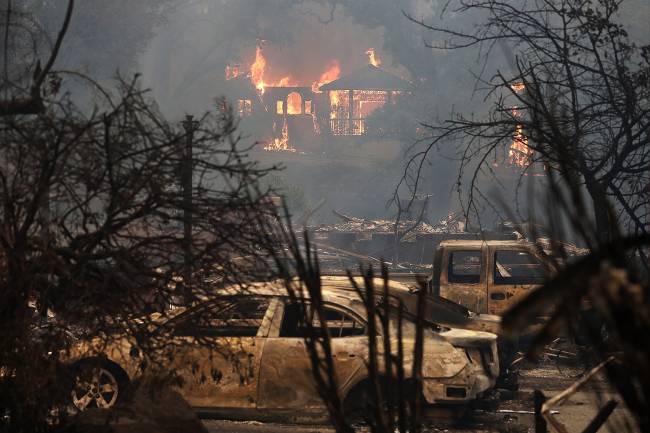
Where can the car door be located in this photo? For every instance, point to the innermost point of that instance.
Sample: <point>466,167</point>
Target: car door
<point>463,277</point>
<point>218,351</point>
<point>286,378</point>
<point>513,272</point>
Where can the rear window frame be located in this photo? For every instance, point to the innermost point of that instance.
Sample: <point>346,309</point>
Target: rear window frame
<point>331,306</point>
<point>499,280</point>
<point>175,324</point>
<point>464,279</point>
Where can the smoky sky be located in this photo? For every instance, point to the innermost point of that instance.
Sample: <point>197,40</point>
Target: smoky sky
<point>183,46</point>
<point>184,66</point>
<point>185,61</point>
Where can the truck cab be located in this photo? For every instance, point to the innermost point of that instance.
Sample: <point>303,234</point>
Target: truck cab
<point>486,276</point>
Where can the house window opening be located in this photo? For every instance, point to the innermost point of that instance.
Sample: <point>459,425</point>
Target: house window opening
<point>518,267</point>
<point>225,318</point>
<point>244,107</point>
<point>294,103</point>
<point>465,267</point>
<point>339,112</point>
<point>339,324</point>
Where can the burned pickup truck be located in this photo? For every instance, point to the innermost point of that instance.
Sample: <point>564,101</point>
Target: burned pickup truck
<point>486,276</point>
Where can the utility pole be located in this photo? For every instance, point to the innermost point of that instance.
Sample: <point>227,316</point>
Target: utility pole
<point>44,220</point>
<point>190,125</point>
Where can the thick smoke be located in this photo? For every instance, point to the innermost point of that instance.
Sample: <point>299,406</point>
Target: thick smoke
<point>182,47</point>
<point>186,62</point>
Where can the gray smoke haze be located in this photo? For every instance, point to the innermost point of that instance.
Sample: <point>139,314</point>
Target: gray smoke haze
<point>182,47</point>
<point>185,62</point>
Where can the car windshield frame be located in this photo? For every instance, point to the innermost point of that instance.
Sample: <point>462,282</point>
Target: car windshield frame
<point>343,309</point>
<point>172,322</point>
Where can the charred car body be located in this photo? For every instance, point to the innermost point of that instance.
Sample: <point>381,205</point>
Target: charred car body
<point>244,356</point>
<point>487,276</point>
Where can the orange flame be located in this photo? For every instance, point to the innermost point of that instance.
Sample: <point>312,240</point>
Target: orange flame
<point>257,74</point>
<point>284,82</point>
<point>294,103</point>
<point>332,73</point>
<point>373,58</point>
<point>257,70</point>
<point>334,103</point>
<point>517,87</point>
<point>519,153</point>
<point>280,143</point>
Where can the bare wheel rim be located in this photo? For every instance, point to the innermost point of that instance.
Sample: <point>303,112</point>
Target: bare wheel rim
<point>96,387</point>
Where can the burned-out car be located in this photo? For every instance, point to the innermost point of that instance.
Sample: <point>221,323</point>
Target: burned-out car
<point>245,355</point>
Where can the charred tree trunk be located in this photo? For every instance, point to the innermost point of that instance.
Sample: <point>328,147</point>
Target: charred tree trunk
<point>601,207</point>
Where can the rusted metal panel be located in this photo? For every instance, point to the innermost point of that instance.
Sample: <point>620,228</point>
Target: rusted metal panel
<point>223,375</point>
<point>485,296</point>
<point>502,296</point>
<point>470,295</point>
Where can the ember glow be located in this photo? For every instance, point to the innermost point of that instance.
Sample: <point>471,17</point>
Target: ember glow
<point>338,104</point>
<point>373,58</point>
<point>519,154</point>
<point>339,112</point>
<point>257,70</point>
<point>332,73</point>
<point>281,144</point>
<point>367,101</point>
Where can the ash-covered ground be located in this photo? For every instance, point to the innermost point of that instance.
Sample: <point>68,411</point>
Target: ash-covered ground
<point>503,412</point>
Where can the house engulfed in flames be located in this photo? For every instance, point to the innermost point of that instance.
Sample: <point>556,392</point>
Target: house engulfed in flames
<point>298,115</point>
<point>353,98</point>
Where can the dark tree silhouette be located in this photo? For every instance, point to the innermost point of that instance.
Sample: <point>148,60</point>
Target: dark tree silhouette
<point>581,91</point>
<point>92,212</point>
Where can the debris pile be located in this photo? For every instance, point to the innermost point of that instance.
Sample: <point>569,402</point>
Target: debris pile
<point>363,225</point>
<point>406,245</point>
<point>451,224</point>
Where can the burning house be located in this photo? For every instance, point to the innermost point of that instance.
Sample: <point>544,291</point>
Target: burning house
<point>356,96</point>
<point>294,115</point>
<point>244,97</point>
<point>301,115</point>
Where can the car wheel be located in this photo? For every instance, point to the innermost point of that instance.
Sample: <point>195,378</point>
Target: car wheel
<point>96,385</point>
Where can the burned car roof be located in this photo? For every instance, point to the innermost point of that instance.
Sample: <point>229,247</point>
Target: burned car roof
<point>339,290</point>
